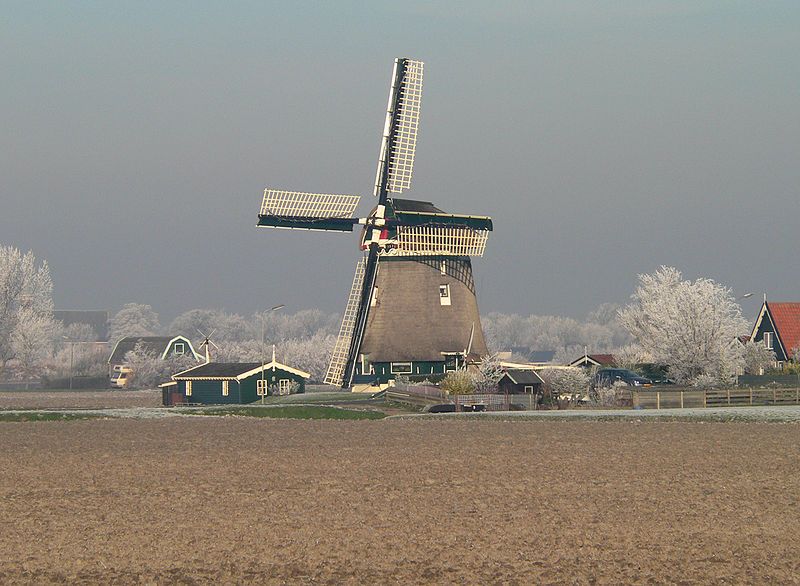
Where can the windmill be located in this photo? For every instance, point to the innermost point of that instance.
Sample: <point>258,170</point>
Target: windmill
<point>412,307</point>
<point>207,341</point>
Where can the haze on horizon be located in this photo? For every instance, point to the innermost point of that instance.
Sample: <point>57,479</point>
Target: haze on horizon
<point>604,141</point>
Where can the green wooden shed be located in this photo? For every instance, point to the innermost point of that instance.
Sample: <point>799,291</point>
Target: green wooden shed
<point>220,383</point>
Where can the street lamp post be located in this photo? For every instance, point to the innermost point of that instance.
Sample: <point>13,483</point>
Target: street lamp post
<point>71,357</point>
<point>263,385</point>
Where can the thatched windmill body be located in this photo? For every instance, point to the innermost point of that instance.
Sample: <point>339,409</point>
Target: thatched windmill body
<point>412,308</point>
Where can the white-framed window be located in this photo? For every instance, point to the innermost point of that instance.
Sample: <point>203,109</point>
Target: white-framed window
<point>261,387</point>
<point>444,294</point>
<point>401,368</point>
<point>529,389</point>
<point>188,388</point>
<point>283,386</point>
<point>374,299</point>
<point>768,340</point>
<point>443,267</point>
<point>225,388</point>
<point>180,348</point>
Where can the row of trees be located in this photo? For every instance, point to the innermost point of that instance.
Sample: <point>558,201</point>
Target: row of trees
<point>304,339</point>
<point>600,331</point>
<point>690,327</point>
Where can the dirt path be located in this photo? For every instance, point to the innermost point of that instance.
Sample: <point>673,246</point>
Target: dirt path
<point>245,500</point>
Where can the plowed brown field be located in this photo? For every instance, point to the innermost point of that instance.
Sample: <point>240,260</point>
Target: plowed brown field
<point>237,500</point>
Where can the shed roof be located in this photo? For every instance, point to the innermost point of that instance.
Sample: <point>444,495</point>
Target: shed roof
<point>234,370</point>
<point>523,377</point>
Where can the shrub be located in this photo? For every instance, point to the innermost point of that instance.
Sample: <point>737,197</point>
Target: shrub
<point>459,382</point>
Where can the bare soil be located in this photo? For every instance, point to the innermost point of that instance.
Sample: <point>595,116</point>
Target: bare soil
<point>78,399</point>
<point>235,500</point>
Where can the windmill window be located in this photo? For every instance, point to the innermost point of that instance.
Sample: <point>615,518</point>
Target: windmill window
<point>768,340</point>
<point>374,300</point>
<point>180,348</point>
<point>444,294</point>
<point>188,388</point>
<point>401,368</point>
<point>225,388</point>
<point>443,267</point>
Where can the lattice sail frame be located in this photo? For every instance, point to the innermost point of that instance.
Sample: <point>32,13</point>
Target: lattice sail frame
<point>404,145</point>
<point>307,205</point>
<point>439,240</point>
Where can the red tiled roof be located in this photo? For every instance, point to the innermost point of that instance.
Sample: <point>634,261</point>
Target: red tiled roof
<point>602,358</point>
<point>786,317</point>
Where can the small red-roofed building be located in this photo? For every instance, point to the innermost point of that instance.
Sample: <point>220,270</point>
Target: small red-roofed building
<point>778,328</point>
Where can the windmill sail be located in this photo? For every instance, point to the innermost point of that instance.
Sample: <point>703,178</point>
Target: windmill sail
<point>308,211</point>
<point>341,352</point>
<point>399,145</point>
<point>440,240</point>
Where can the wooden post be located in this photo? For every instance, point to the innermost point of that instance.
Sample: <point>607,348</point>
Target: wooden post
<point>774,399</point>
<point>751,397</point>
<point>704,398</point>
<point>729,397</point>
<point>658,399</point>
<point>681,399</point>
<point>797,395</point>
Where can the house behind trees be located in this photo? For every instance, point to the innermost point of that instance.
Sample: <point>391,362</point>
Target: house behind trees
<point>778,328</point>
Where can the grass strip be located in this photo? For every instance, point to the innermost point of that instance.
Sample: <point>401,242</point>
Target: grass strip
<point>34,416</point>
<point>293,412</point>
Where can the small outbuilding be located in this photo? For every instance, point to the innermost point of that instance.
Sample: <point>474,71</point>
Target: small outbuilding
<point>519,381</point>
<point>220,383</point>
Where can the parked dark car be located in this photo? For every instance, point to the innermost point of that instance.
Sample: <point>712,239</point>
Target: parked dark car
<point>606,377</point>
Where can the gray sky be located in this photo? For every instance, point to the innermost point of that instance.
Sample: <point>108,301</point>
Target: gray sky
<point>604,138</point>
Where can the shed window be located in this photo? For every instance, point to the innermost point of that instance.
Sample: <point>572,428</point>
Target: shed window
<point>444,294</point>
<point>180,348</point>
<point>188,388</point>
<point>261,387</point>
<point>225,388</point>
<point>283,386</point>
<point>529,389</point>
<point>401,368</point>
<point>768,340</point>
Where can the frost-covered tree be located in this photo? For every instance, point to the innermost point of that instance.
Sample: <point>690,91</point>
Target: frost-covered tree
<point>563,382</point>
<point>488,374</point>
<point>631,356</point>
<point>689,326</point>
<point>149,370</point>
<point>79,332</point>
<point>757,357</point>
<point>134,319</point>
<point>32,339</point>
<point>26,307</point>
<point>226,327</point>
<point>599,332</point>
